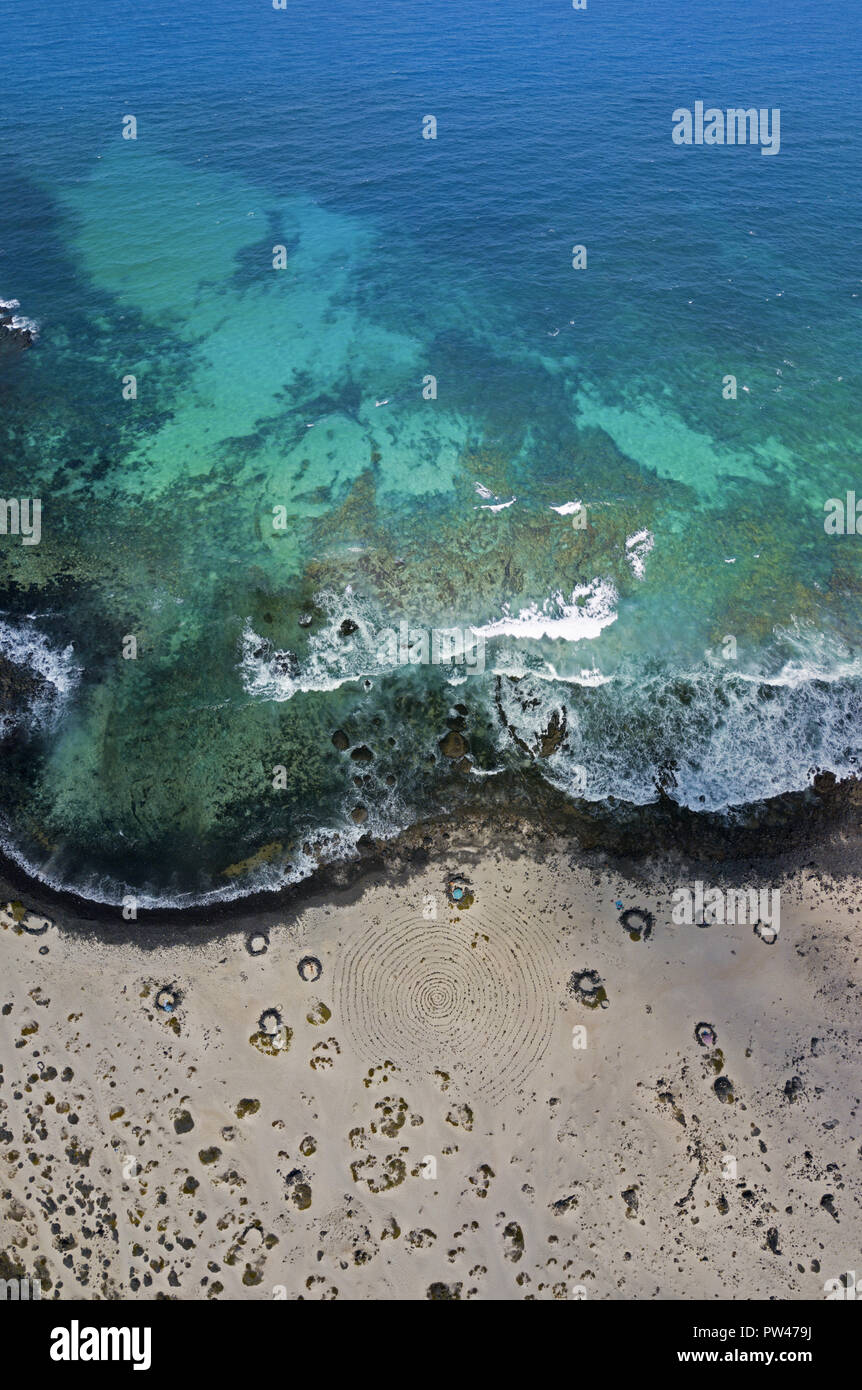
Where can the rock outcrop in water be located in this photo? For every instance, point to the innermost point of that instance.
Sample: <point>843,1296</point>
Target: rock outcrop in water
<point>19,686</point>
<point>16,332</point>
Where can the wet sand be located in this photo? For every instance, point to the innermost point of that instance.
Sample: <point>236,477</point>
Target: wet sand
<point>443,1113</point>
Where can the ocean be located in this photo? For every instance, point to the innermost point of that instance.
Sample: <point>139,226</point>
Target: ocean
<point>372,332</point>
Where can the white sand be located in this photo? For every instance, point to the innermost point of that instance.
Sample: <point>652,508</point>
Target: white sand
<point>524,1121</point>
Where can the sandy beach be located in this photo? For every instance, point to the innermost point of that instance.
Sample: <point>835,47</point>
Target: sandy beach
<point>514,1078</point>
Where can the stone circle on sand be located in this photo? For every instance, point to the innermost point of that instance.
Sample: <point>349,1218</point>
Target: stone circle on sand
<point>270,1021</point>
<point>310,969</point>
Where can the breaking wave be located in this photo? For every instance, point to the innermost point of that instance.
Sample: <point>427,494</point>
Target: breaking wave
<point>48,675</point>
<point>711,736</point>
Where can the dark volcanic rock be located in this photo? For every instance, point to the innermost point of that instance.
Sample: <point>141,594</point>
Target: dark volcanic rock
<point>827,1202</point>
<point>19,686</point>
<point>638,922</point>
<point>454,745</point>
<point>587,986</point>
<point>443,1292</point>
<point>630,1197</point>
<point>793,1088</point>
<point>286,663</point>
<point>723,1088</point>
<point>16,332</point>
<point>553,736</point>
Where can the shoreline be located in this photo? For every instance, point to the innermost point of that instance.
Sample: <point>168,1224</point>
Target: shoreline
<point>759,842</point>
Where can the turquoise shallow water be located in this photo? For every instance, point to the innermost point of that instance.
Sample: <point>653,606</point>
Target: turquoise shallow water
<point>282,459</point>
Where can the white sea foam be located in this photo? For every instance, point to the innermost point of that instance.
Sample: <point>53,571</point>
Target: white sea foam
<point>590,678</point>
<point>24,645</point>
<point>819,656</point>
<point>495,506</point>
<point>590,610</point>
<point>638,547</point>
<point>708,732</point>
<point>17,321</point>
<point>328,845</point>
<point>723,744</point>
<point>331,659</point>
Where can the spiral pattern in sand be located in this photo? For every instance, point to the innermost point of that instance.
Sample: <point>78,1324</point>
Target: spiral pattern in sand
<point>471,994</point>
